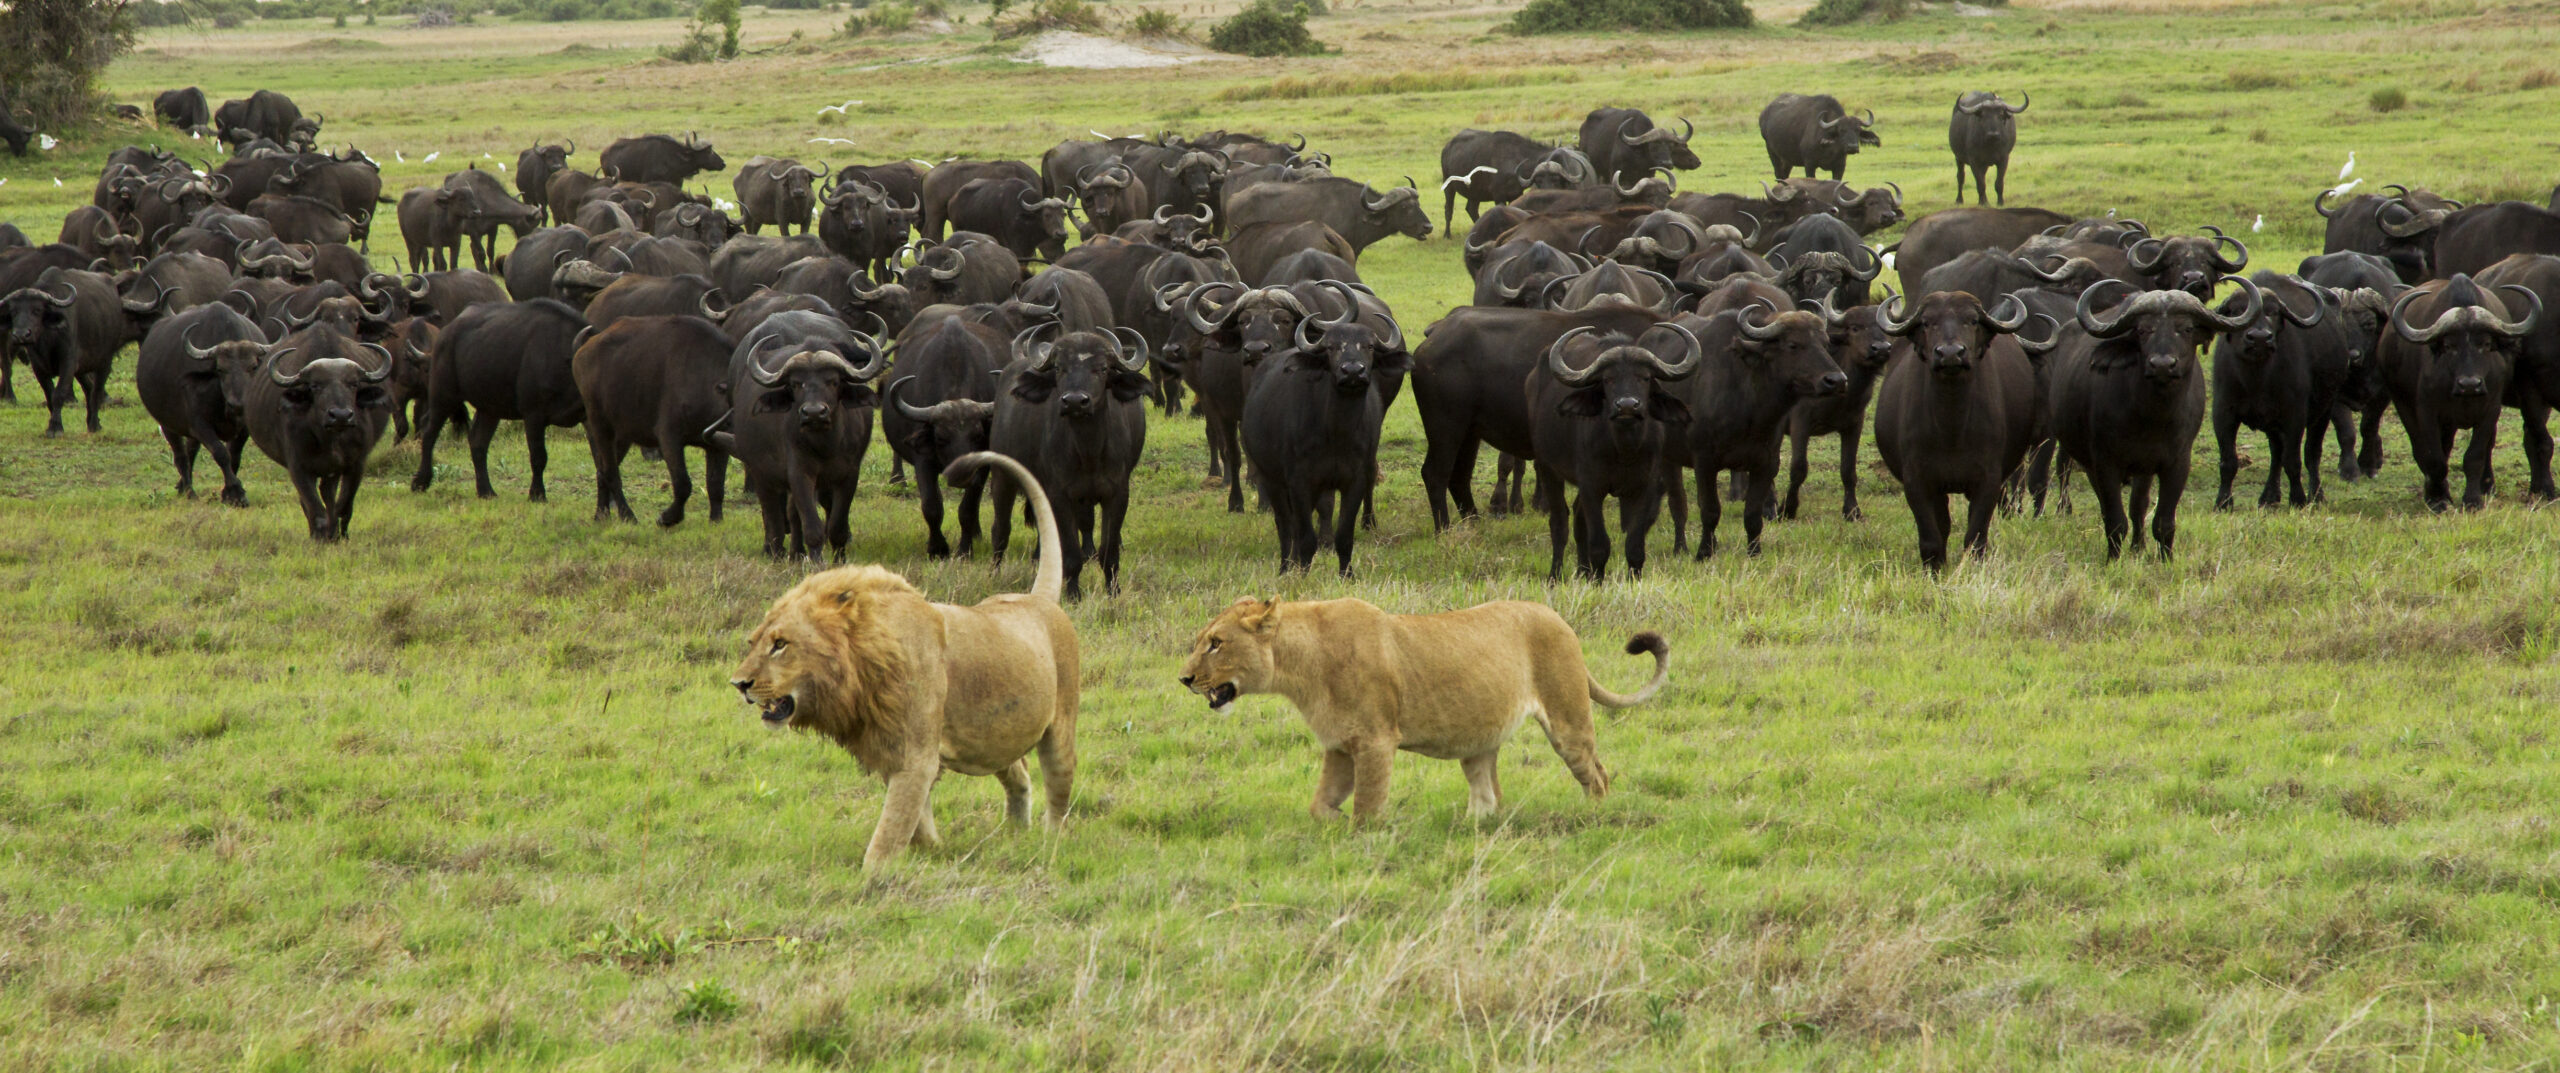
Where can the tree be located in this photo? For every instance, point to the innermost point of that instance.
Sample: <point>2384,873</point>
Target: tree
<point>52,52</point>
<point>724,13</point>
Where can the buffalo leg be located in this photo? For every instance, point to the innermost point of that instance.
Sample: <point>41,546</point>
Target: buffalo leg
<point>1590,540</point>
<point>679,482</point>
<point>1999,184</point>
<point>775,504</point>
<point>1440,464</point>
<point>715,478</point>
<point>969,495</point>
<point>2288,448</point>
<point>840,521</point>
<point>1449,210</point>
<point>608,458</point>
<point>1849,472</point>
<point>93,393</point>
<point>2369,437</point>
<point>232,493</point>
<point>2310,438</point>
<point>1000,529</point>
<point>315,513</point>
<point>484,427</point>
<point>1762,496</point>
<point>1635,522</point>
<point>182,454</point>
<point>1710,511</point>
<point>1345,532</point>
<point>2537,445</point>
<point>2226,437</point>
<point>1959,182</point>
<point>2164,521</point>
<point>2108,486</point>
<point>1799,438</point>
<point>808,518</point>
<point>343,506</point>
<point>2040,473</point>
<point>1981,505</point>
<point>1929,516</point>
<point>929,504</point>
<point>56,392</point>
<point>2342,419</point>
<point>1551,500</point>
<point>2139,491</point>
<point>1285,525</point>
<point>537,452</point>
<point>1232,446</point>
<point>2475,463</point>
<point>2427,450</point>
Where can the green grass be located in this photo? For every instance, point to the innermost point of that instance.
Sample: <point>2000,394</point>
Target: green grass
<point>470,790</point>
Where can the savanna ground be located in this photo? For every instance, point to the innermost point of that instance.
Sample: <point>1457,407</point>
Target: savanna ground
<point>469,790</point>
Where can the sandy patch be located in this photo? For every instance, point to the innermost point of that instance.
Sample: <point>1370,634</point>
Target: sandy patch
<point>1064,48</point>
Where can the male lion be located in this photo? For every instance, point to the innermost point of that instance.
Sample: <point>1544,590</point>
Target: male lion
<point>913,689</point>
<point>1450,686</point>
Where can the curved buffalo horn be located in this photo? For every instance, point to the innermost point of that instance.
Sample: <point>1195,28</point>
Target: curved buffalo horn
<point>1565,373</point>
<point>714,314</point>
<point>1582,243</point>
<point>877,361</point>
<point>417,289</point>
<point>1161,212</point>
<point>2320,204</point>
<point>1763,331</point>
<point>764,375</point>
<point>1623,136</point>
<point>2063,269</point>
<point>1167,295</point>
<point>1350,302</point>
<point>1307,342</point>
<point>2396,190</point>
<point>1677,370</point>
<point>2466,318</point>
<point>2024,99</point>
<point>1785,192</point>
<point>1030,198</point>
<point>1889,318</point>
<point>856,290</point>
<point>105,231</point>
<point>275,368</point>
<point>2085,310</point>
<point>1846,196</point>
<point>2144,262</point>
<point>956,261</point>
<point>2009,324</point>
<point>2416,222</point>
<point>381,370</point>
<point>2248,313</point>
<point>1134,358</point>
<point>2040,347</point>
<point>2312,319</point>
<point>1820,306</point>
<point>1875,265</point>
<point>1203,322</point>
<point>1043,355</point>
<point>1754,237</point>
<point>2228,264</point>
<point>1897,192</point>
<point>1870,119</point>
<point>910,411</point>
<point>1302,142</point>
<point>1669,289</point>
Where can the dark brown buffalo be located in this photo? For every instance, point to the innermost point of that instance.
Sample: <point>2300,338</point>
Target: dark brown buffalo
<point>2281,376</point>
<point>1467,378</point>
<point>535,166</point>
<point>2535,385</point>
<point>318,409</point>
<point>864,224</point>
<point>658,158</point>
<point>941,406</point>
<point>1602,418</point>
<point>1760,363</point>
<point>1624,145</point>
<point>1351,208</point>
<point>636,295</point>
<point>1860,346</point>
<point>1072,411</point>
<point>2398,226</point>
<point>1946,234</point>
<point>2474,238</point>
<point>1957,412</point>
<point>303,220</point>
<point>944,182</point>
<point>654,382</point>
<point>1813,133</point>
<point>776,191</point>
<point>1011,211</point>
<point>68,324</point>
<point>2189,263</point>
<point>2364,285</point>
<point>1255,248</point>
<point>504,363</point>
<point>1310,426</point>
<point>801,394</point>
<point>1496,166</point>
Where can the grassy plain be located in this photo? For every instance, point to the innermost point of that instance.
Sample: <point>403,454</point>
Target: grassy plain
<point>468,791</point>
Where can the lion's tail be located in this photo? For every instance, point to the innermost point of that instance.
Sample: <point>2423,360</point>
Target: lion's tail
<point>1049,581</point>
<point>1637,645</point>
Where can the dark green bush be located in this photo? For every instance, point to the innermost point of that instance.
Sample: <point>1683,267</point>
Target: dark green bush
<point>1266,29</point>
<point>1570,16</point>
<point>1843,12</point>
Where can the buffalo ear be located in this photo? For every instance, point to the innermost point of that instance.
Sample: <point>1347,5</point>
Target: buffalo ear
<point>1393,361</point>
<point>773,402</point>
<point>1130,387</point>
<point>1583,403</point>
<point>1033,387</point>
<point>1667,408</point>
<point>852,394</point>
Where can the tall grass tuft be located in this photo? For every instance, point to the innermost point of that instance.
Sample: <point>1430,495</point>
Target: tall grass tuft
<point>2388,99</point>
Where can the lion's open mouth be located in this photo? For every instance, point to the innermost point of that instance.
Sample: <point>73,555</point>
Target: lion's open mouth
<point>778,710</point>
<point>1220,696</point>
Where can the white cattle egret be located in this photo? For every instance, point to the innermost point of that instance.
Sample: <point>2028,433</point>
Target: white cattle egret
<point>831,141</point>
<point>2350,169</point>
<point>2260,224</point>
<point>839,109</point>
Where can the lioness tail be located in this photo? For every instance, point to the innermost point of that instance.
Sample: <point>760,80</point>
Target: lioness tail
<point>1049,581</point>
<point>1637,645</point>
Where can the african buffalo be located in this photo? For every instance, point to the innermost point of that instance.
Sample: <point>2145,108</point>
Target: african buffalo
<point>1761,359</point>
<point>1070,410</point>
<point>185,109</point>
<point>1861,346</point>
<point>1957,411</point>
<point>1813,133</point>
<point>193,376</point>
<point>68,324</point>
<point>1012,212</point>
<point>2477,237</point>
<point>1255,248</point>
<point>2399,227</point>
<point>2447,362</point>
<point>1604,426</point>
<point>1497,166</point>
<point>1623,145</point>
<point>946,180</point>
<point>504,363</point>
<point>317,409</point>
<point>2126,397</point>
<point>1310,428</point>
<point>2281,376</point>
<point>776,191</point>
<point>801,392</point>
<point>1944,235</point>
<point>654,382</point>
<point>941,407</point>
<point>1359,214</point>
<point>1981,133</point>
<point>658,158</point>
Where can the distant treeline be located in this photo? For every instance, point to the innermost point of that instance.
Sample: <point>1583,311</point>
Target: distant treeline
<point>227,13</point>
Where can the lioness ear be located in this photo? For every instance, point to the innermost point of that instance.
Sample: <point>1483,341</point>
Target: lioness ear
<point>1261,616</point>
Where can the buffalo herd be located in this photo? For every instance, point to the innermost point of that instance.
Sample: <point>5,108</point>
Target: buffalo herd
<point>1621,330</point>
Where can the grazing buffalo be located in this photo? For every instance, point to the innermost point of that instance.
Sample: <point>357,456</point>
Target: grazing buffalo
<point>1982,132</point>
<point>778,192</point>
<point>2447,362</point>
<point>658,158</point>
<point>2127,398</point>
<point>2281,376</point>
<point>1861,346</point>
<point>1957,413</point>
<point>193,376</point>
<point>1813,133</point>
<point>68,324</point>
<point>265,114</point>
<point>801,395</point>
<point>2399,227</point>
<point>352,183</point>
<point>1012,212</point>
<point>1623,145</point>
<point>1071,411</point>
<point>185,109</point>
<point>2475,238</point>
<point>1759,364</point>
<point>318,408</point>
<point>478,206</point>
<point>946,180</point>
<point>654,382</point>
<point>1496,166</point>
<point>303,220</point>
<point>1604,426</point>
<point>1361,215</point>
<point>535,165</point>
<point>1310,427</point>
<point>941,407</point>
<point>505,363</point>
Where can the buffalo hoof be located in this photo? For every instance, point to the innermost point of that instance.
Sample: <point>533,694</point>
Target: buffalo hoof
<point>421,483</point>
<point>53,433</point>
<point>486,494</point>
<point>670,518</point>
<point>235,496</point>
<point>1852,513</point>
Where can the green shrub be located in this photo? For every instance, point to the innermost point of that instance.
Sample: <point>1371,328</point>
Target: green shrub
<point>706,1002</point>
<point>1046,15</point>
<point>1156,24</point>
<point>1843,12</point>
<point>880,19</point>
<point>2388,99</point>
<point>1266,29</point>
<point>1570,16</point>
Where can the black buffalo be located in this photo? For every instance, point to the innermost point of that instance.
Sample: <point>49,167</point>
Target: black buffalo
<point>2447,362</point>
<point>1359,214</point>
<point>1957,412</point>
<point>318,408</point>
<point>2399,227</point>
<point>2189,263</point>
<point>1860,345</point>
<point>864,224</point>
<point>1310,428</point>
<point>535,165</point>
<point>2127,397</point>
<point>1256,248</point>
<point>185,109</point>
<point>1469,376</point>
<point>1813,133</point>
<point>68,324</point>
<point>2535,384</point>
<point>193,375</point>
<point>778,192</point>
<point>265,114</point>
<point>2474,238</point>
<point>946,180</point>
<point>1496,166</point>
<point>1605,426</point>
<point>1623,145</point>
<point>1761,359</point>
<point>941,406</point>
<point>2281,376</point>
<point>1071,411</point>
<point>1012,212</point>
<point>801,396</point>
<point>1982,132</point>
<point>504,363</point>
<point>654,382</point>
<point>1946,234</point>
<point>2364,285</point>
<point>658,158</point>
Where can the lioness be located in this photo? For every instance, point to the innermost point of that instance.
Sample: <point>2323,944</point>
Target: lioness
<point>913,689</point>
<point>1450,686</point>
